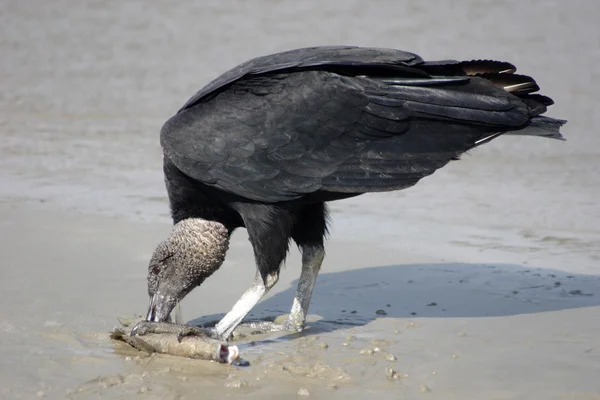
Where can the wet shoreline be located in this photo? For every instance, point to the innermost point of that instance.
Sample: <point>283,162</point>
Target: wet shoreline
<point>434,322</point>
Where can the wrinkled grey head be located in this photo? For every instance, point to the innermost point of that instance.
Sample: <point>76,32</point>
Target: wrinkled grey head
<point>194,250</point>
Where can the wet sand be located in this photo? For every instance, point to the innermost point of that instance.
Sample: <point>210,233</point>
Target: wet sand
<point>492,328</point>
<point>480,282</point>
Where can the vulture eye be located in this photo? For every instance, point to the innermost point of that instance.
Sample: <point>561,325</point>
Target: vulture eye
<point>155,270</point>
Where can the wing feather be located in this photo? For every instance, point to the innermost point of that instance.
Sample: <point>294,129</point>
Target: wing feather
<point>308,131</point>
<point>310,57</point>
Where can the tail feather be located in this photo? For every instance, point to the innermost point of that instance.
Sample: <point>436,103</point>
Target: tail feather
<point>545,127</point>
<point>537,103</point>
<point>478,67</point>
<point>542,127</point>
<point>540,98</point>
<point>512,83</point>
<point>467,68</point>
<point>501,74</point>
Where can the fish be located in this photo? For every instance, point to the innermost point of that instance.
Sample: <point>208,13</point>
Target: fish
<point>167,341</point>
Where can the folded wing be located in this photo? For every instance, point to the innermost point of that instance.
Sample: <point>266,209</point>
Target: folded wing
<point>277,136</point>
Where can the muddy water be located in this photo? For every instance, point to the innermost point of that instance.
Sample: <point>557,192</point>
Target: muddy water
<point>498,291</point>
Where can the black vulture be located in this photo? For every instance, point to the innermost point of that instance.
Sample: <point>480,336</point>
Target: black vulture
<point>267,144</point>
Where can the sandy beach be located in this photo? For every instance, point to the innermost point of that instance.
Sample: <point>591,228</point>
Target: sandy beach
<point>483,281</point>
<point>458,321</point>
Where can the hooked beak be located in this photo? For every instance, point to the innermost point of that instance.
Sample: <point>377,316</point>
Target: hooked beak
<point>160,308</point>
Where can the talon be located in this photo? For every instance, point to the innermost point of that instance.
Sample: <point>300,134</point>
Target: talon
<point>141,328</point>
<point>185,331</point>
<point>190,330</point>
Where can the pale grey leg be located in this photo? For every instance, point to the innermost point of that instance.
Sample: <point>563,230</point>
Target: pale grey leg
<point>312,258</point>
<point>249,299</point>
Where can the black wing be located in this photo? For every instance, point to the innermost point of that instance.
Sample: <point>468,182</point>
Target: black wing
<point>280,135</point>
<point>309,57</point>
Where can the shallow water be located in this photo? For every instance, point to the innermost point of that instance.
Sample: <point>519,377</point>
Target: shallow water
<point>86,87</point>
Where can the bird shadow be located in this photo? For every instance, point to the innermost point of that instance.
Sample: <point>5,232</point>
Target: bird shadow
<point>356,297</point>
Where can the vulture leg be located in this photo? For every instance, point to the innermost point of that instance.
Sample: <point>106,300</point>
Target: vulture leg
<point>308,232</point>
<point>249,299</point>
<point>269,230</point>
<point>312,258</point>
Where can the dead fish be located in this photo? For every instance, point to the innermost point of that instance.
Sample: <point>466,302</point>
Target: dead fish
<point>198,345</point>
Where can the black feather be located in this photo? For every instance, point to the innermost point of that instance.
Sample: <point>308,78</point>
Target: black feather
<point>477,67</point>
<point>512,83</point>
<point>266,144</point>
